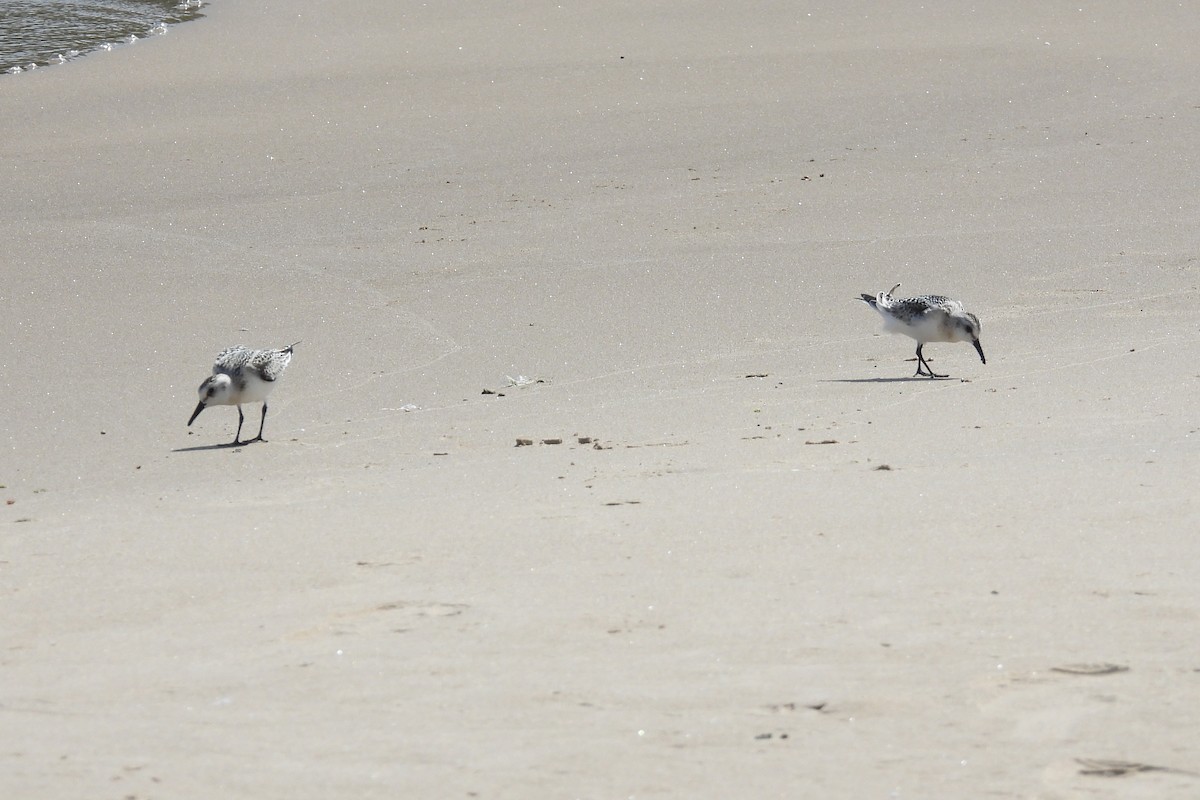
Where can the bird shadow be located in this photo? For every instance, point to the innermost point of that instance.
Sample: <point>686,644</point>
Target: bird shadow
<point>202,447</point>
<point>910,379</point>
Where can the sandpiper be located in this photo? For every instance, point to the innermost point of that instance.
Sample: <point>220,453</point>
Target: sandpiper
<point>929,318</point>
<point>241,375</point>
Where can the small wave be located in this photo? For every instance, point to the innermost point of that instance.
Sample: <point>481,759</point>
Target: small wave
<point>50,32</point>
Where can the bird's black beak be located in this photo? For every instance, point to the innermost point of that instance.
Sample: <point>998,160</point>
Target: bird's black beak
<point>978,349</point>
<point>200,407</point>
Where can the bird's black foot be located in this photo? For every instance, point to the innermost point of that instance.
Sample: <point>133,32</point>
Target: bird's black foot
<point>257,439</point>
<point>923,367</point>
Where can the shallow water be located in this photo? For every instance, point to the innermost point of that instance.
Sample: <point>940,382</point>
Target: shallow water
<point>38,31</point>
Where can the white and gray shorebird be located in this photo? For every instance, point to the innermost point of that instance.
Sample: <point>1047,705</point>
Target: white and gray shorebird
<point>241,375</point>
<point>929,318</point>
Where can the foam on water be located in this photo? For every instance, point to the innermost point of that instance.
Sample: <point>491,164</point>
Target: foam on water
<point>39,33</point>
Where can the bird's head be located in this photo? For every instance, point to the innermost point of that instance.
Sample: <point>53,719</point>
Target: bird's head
<point>214,391</point>
<point>966,328</point>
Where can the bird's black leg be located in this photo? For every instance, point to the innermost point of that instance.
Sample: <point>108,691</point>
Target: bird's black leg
<point>261,424</point>
<point>921,362</point>
<point>239,430</point>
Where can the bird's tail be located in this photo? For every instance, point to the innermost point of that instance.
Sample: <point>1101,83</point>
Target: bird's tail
<point>883,298</point>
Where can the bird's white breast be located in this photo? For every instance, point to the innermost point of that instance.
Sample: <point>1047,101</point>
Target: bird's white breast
<point>256,389</point>
<point>928,327</point>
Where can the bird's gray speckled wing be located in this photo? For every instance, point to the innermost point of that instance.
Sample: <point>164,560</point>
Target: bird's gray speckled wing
<point>232,359</point>
<point>941,302</point>
<point>913,307</point>
<point>270,364</point>
<point>909,310</point>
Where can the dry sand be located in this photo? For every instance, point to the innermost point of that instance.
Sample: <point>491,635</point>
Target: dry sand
<point>640,204</point>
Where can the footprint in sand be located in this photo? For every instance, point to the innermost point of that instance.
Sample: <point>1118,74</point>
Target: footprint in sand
<point>1045,706</point>
<point>1055,707</point>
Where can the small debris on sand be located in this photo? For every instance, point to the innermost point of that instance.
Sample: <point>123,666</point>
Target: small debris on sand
<point>1110,768</point>
<point>1090,669</point>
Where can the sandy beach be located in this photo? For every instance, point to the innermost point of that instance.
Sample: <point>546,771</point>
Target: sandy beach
<point>746,554</point>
